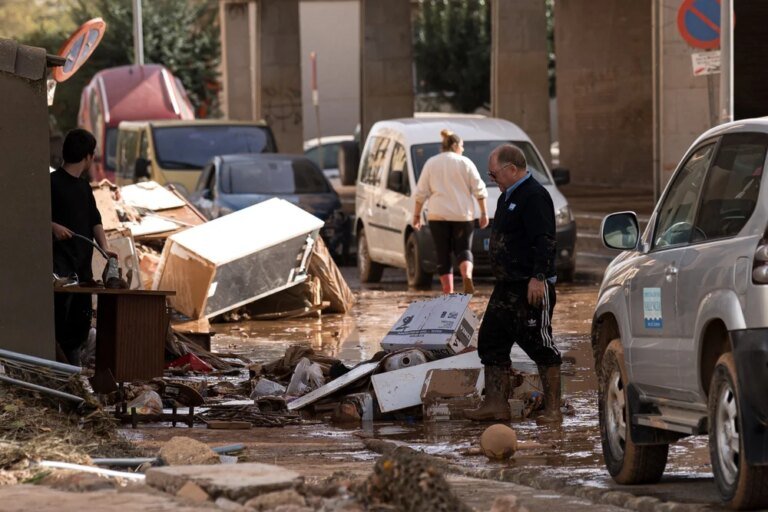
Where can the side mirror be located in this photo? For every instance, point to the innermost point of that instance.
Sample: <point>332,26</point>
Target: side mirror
<point>620,231</point>
<point>349,161</point>
<point>395,181</point>
<point>208,194</point>
<point>561,176</point>
<point>141,169</point>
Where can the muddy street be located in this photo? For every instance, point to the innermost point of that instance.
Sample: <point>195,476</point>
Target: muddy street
<point>575,453</point>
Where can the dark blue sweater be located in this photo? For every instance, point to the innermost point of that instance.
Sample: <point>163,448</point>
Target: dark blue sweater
<point>523,240</point>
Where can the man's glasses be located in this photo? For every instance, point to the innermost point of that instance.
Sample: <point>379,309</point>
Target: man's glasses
<point>492,172</point>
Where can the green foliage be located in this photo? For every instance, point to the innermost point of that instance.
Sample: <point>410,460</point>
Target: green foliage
<point>452,51</point>
<point>183,35</point>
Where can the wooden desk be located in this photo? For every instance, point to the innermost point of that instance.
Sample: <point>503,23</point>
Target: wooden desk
<point>131,330</point>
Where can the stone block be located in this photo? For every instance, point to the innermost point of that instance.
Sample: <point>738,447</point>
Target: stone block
<point>193,493</point>
<point>186,451</point>
<point>232,481</point>
<point>277,499</point>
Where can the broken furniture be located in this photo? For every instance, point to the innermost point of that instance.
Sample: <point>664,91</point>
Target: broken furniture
<point>236,259</point>
<point>132,326</point>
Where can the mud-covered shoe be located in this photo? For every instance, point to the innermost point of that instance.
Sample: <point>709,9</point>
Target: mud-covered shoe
<point>495,405</point>
<point>469,285</point>
<point>550,381</point>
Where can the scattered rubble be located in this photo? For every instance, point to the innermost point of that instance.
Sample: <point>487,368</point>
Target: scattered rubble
<point>180,451</point>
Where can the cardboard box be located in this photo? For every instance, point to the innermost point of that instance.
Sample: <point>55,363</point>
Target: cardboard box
<point>233,260</point>
<point>443,326</point>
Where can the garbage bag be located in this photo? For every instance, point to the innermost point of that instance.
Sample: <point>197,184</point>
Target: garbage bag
<point>306,377</point>
<point>266,387</point>
<point>148,402</point>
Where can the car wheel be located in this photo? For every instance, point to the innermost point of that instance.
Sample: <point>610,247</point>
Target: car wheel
<point>370,271</point>
<point>565,275</point>
<point>348,160</point>
<point>414,269</point>
<point>740,484</point>
<point>627,462</point>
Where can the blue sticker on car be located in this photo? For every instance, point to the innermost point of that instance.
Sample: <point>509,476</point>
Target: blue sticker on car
<point>652,315</point>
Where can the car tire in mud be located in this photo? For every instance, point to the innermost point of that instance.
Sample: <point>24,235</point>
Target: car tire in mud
<point>348,160</point>
<point>369,271</point>
<point>627,462</point>
<point>741,485</point>
<point>414,269</point>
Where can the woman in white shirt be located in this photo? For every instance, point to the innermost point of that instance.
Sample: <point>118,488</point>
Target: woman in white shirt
<point>451,183</point>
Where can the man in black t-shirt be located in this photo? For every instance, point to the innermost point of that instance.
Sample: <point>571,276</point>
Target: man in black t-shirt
<point>73,211</point>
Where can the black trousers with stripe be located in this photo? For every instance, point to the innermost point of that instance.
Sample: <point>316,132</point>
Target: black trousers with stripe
<point>509,319</point>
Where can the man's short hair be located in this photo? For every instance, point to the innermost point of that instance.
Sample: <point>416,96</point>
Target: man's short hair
<point>510,154</point>
<point>78,144</point>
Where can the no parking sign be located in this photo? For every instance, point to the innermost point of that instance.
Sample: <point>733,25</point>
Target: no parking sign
<point>699,23</point>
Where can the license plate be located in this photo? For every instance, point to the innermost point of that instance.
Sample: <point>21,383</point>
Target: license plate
<point>486,243</point>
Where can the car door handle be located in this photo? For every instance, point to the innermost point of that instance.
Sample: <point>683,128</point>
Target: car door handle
<point>670,271</point>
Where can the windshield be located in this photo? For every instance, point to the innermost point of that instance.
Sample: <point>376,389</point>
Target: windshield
<point>111,146</point>
<point>273,177</point>
<point>478,151</point>
<point>191,147</point>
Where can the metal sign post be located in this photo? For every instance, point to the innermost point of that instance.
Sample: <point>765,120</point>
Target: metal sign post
<point>316,103</point>
<point>138,34</point>
<point>726,64</point>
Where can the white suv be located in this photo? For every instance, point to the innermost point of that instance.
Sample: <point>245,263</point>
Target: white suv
<point>394,154</point>
<point>680,331</point>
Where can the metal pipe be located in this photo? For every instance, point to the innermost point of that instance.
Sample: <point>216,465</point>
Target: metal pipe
<point>53,365</point>
<point>726,61</point>
<point>91,469</point>
<point>138,461</point>
<point>657,21</point>
<point>41,389</point>
<point>138,34</point>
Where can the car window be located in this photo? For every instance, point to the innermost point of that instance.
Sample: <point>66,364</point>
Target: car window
<point>373,161</point>
<point>127,140</point>
<point>678,209</point>
<point>399,164</point>
<point>329,153</point>
<point>733,182</point>
<point>111,149</point>
<point>191,147</point>
<point>273,177</point>
<point>478,151</point>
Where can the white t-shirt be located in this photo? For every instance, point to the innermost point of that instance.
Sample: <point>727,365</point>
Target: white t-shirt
<point>450,181</point>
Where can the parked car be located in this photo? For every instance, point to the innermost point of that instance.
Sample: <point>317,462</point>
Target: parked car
<point>175,152</point>
<point>128,93</point>
<point>233,182</point>
<point>680,330</point>
<point>325,153</point>
<point>392,159</point>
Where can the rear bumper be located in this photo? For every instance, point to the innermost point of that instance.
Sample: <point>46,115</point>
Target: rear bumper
<point>750,352</point>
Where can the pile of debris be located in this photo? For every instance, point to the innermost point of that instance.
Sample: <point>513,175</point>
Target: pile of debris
<point>220,269</point>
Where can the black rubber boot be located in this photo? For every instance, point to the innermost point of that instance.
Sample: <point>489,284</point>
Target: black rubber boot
<point>495,406</point>
<point>550,381</point>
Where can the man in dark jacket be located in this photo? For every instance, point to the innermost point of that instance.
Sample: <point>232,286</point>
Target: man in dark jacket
<point>73,211</point>
<point>522,250</point>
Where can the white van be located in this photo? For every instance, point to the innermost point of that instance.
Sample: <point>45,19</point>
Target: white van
<point>390,165</point>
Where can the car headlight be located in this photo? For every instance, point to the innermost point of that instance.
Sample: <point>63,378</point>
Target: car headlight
<point>563,216</point>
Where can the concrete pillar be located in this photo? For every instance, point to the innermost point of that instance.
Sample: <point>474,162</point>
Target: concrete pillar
<point>261,66</point>
<point>387,61</point>
<point>605,90</point>
<point>26,305</point>
<point>519,78</point>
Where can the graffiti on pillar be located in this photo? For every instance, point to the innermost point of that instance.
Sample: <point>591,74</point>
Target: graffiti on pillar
<point>282,107</point>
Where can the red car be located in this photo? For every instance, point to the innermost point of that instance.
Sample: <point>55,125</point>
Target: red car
<point>128,93</point>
